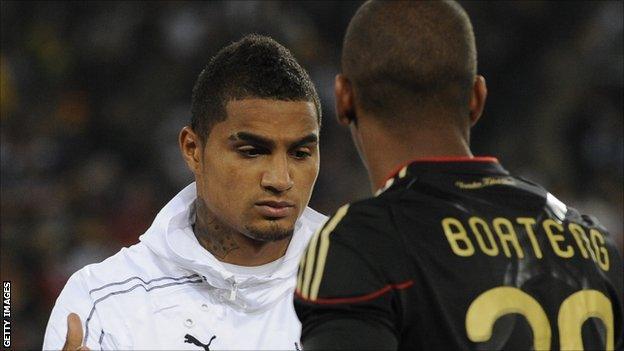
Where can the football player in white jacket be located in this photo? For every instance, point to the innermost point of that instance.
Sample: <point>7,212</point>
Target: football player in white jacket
<point>217,267</point>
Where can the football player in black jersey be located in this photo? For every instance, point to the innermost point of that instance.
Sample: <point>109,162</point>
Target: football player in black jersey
<point>453,252</point>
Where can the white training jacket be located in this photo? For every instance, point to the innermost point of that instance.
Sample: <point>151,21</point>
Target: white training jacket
<point>168,292</point>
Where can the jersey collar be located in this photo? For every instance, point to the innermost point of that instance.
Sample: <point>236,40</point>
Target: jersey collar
<point>442,163</point>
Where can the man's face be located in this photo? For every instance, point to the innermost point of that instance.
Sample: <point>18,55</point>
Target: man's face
<point>258,167</point>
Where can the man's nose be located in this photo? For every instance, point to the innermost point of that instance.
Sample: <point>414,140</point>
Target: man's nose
<point>277,178</point>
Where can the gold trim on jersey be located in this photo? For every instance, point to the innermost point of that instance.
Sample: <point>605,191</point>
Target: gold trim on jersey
<point>309,264</point>
<point>387,185</point>
<point>403,172</point>
<point>309,279</point>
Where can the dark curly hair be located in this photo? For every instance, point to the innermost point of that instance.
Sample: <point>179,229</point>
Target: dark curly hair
<point>256,66</point>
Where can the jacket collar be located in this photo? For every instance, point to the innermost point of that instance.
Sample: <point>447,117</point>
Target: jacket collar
<point>171,237</point>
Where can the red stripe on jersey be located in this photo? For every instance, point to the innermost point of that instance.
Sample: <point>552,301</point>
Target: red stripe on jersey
<point>356,299</point>
<point>440,159</point>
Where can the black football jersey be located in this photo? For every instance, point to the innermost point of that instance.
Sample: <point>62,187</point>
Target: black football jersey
<point>460,255</point>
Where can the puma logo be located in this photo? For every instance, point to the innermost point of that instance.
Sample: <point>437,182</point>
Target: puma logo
<point>190,339</point>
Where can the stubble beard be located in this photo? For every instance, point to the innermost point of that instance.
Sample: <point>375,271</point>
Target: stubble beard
<point>273,233</point>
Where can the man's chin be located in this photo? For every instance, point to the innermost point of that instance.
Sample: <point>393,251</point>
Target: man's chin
<point>271,231</point>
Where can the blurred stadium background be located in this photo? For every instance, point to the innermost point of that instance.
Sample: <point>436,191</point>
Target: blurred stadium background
<point>93,95</point>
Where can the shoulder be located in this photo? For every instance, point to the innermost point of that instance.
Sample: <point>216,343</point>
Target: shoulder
<point>354,224</point>
<point>134,264</point>
<point>129,261</point>
<point>370,230</point>
<point>356,253</point>
<point>361,233</point>
<point>369,218</point>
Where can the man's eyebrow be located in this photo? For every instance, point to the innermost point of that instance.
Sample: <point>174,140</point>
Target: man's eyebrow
<point>252,138</point>
<point>308,139</point>
<point>260,140</point>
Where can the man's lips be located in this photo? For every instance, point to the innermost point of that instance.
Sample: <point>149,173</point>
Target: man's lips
<point>275,209</point>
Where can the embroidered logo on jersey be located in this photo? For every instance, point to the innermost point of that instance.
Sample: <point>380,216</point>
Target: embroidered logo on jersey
<point>190,339</point>
<point>485,181</point>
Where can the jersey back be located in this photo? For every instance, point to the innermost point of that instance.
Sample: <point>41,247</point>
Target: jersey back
<point>463,256</point>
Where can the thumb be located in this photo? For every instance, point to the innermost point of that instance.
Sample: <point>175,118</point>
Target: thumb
<point>74,333</point>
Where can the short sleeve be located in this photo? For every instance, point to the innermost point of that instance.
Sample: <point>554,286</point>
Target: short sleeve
<point>340,279</point>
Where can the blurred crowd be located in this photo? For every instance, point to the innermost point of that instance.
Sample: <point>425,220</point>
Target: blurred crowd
<point>93,95</point>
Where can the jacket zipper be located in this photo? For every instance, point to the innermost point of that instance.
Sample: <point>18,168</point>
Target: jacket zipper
<point>233,292</point>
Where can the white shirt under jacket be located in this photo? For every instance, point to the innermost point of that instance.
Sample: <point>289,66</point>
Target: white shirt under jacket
<point>167,292</point>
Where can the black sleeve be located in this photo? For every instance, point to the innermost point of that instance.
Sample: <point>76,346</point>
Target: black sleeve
<point>344,299</point>
<point>349,334</point>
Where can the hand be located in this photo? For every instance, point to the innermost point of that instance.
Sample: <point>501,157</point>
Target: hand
<point>73,341</point>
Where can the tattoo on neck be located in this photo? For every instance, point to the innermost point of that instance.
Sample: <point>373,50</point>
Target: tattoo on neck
<point>211,234</point>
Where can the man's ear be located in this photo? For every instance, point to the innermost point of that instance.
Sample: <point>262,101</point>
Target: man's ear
<point>477,99</point>
<point>345,108</point>
<point>191,148</point>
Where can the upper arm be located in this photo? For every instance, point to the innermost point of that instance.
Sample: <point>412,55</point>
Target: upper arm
<point>73,298</point>
<point>350,334</point>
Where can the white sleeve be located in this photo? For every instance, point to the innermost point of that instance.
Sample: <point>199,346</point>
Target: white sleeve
<point>74,298</point>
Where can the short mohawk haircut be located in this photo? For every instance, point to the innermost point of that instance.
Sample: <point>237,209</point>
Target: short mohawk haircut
<point>256,66</point>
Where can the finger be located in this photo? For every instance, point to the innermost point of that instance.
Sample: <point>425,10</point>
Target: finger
<point>74,333</point>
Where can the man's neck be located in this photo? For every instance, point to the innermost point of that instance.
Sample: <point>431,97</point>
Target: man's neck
<point>385,150</point>
<point>230,246</point>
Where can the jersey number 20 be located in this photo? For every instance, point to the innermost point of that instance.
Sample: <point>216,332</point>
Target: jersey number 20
<point>573,312</point>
